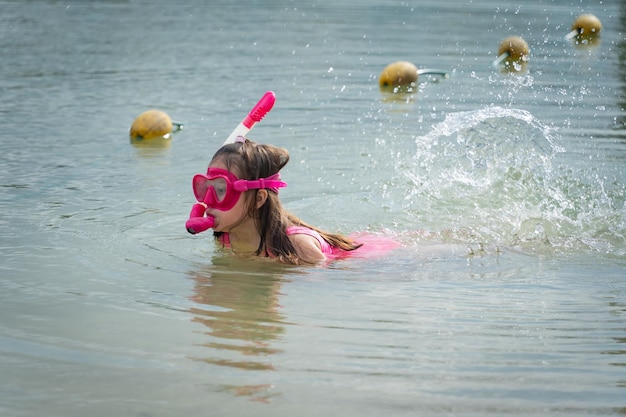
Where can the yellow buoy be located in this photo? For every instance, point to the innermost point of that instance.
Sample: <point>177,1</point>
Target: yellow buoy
<point>151,124</point>
<point>401,75</point>
<point>516,49</point>
<point>587,25</point>
<point>586,30</point>
<point>513,52</point>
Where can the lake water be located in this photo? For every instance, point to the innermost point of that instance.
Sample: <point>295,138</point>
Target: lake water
<point>506,190</point>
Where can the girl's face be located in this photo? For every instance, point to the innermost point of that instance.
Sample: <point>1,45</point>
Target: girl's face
<point>225,221</point>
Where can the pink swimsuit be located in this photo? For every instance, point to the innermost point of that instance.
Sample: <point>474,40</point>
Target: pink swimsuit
<point>373,245</point>
<point>325,246</point>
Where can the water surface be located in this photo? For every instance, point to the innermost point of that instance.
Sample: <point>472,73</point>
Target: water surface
<point>506,191</point>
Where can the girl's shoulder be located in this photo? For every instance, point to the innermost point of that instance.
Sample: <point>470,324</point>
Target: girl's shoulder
<point>324,246</point>
<point>308,248</point>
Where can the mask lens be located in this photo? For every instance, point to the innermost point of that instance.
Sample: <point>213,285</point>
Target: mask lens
<point>220,187</point>
<point>210,190</point>
<point>200,187</point>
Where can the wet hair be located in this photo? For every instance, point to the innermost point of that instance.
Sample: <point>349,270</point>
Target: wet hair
<point>251,161</point>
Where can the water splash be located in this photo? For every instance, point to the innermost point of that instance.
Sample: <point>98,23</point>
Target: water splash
<point>489,176</point>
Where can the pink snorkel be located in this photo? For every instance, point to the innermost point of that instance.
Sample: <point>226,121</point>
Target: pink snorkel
<point>256,114</point>
<point>198,220</point>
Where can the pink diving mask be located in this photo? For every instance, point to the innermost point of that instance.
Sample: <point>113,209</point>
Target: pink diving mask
<point>221,189</point>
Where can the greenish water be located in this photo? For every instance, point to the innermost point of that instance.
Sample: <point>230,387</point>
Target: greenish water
<point>506,191</point>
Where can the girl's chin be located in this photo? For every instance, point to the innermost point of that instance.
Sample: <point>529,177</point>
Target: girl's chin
<point>217,228</point>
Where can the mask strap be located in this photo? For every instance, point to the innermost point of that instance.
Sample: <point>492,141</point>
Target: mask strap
<point>272,183</point>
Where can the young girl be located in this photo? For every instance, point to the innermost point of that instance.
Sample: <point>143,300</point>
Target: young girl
<point>239,196</point>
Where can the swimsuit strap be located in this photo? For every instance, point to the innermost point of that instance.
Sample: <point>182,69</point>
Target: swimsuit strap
<point>224,239</point>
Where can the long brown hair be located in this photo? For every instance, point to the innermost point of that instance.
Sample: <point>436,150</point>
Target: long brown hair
<point>253,161</point>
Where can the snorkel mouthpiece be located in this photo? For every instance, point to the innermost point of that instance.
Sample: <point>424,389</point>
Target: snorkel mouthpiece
<point>199,224</point>
<point>197,221</point>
